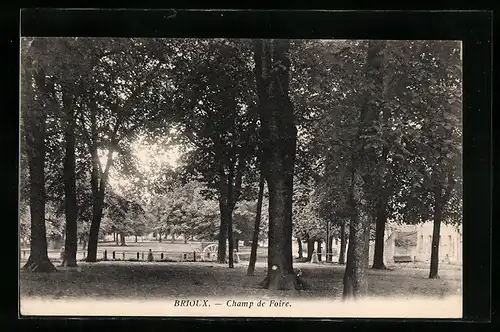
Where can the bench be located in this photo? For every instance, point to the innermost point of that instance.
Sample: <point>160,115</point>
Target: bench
<point>402,259</point>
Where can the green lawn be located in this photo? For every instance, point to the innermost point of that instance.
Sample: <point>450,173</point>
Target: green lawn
<point>143,280</point>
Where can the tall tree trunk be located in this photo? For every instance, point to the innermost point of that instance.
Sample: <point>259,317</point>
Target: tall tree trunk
<point>329,257</point>
<point>71,241</point>
<point>135,239</point>
<point>221,251</point>
<point>122,239</point>
<point>378,254</point>
<point>355,283</point>
<point>34,129</point>
<point>310,249</point>
<point>114,237</point>
<point>343,243</point>
<point>94,228</point>
<point>230,238</point>
<point>438,215</point>
<point>279,136</point>
<point>299,242</point>
<point>367,250</point>
<point>159,236</point>
<point>320,248</point>
<point>327,247</point>
<point>185,239</point>
<point>256,229</point>
<point>99,181</point>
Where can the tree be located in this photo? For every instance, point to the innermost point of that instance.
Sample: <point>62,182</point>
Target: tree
<point>360,197</point>
<point>278,139</point>
<point>217,116</point>
<point>256,231</point>
<point>34,126</point>
<point>433,186</point>
<point>128,92</point>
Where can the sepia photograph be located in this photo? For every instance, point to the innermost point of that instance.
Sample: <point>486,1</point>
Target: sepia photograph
<point>225,177</point>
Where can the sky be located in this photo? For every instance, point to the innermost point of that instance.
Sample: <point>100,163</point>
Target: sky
<point>150,157</point>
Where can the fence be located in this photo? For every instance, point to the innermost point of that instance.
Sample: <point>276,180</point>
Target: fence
<point>116,255</point>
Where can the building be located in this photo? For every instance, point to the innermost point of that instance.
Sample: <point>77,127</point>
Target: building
<point>414,242</point>
<point>411,243</point>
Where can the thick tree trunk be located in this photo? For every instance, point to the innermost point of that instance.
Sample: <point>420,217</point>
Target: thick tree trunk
<point>280,266</point>
<point>343,243</point>
<point>122,239</point>
<point>159,236</point>
<point>436,230</point>
<point>135,240</point>
<point>185,239</point>
<point>34,127</point>
<point>355,283</point>
<point>94,229</point>
<point>299,242</point>
<point>256,229</point>
<point>378,254</point>
<point>115,240</point>
<point>71,240</point>
<point>310,249</point>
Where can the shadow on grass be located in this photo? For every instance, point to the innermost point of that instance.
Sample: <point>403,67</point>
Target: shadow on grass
<point>157,280</point>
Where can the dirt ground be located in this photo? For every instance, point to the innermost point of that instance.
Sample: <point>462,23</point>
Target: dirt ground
<point>155,280</point>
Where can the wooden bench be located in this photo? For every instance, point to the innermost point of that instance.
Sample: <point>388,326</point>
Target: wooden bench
<point>402,259</point>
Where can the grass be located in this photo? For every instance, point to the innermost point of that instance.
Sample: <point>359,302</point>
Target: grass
<point>155,280</point>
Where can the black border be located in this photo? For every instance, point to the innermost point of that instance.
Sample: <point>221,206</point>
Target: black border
<point>474,28</point>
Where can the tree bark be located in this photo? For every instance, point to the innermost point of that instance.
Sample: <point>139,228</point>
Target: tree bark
<point>122,239</point>
<point>94,228</point>
<point>320,248</point>
<point>221,250</point>
<point>279,136</point>
<point>114,238</point>
<point>135,240</point>
<point>343,243</point>
<point>327,247</point>
<point>34,129</point>
<point>378,254</point>
<point>329,257</point>
<point>70,203</point>
<point>230,238</point>
<point>299,242</point>
<point>438,215</point>
<point>256,230</point>
<point>99,181</point>
<point>355,283</point>
<point>310,249</point>
<point>159,236</point>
